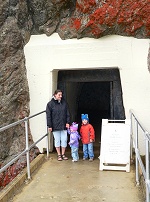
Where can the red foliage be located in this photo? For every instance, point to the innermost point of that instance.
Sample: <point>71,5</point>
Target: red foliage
<point>95,29</point>
<point>7,176</point>
<point>76,24</point>
<point>131,14</point>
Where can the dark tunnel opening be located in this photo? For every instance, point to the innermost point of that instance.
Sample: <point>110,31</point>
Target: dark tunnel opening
<point>97,93</point>
<point>94,100</point>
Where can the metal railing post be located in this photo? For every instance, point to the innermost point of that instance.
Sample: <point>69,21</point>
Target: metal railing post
<point>147,180</point>
<point>27,148</point>
<point>47,143</point>
<point>136,153</point>
<point>131,137</point>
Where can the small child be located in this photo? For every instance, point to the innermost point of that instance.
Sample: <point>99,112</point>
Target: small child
<point>88,137</point>
<point>74,141</point>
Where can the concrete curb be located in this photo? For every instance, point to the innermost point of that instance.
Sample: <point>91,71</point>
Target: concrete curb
<point>18,181</point>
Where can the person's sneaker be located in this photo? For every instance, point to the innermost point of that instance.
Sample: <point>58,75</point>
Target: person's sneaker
<point>84,159</point>
<point>74,160</point>
<point>91,159</point>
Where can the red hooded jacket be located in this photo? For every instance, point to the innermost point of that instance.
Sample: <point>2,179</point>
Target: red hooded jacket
<point>87,132</point>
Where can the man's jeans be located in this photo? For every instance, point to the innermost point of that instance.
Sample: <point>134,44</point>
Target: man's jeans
<point>74,153</point>
<point>88,150</point>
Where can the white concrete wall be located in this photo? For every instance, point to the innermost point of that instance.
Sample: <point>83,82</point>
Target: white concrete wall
<point>46,55</point>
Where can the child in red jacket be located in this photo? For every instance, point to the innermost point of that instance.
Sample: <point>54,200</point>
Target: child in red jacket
<point>87,136</point>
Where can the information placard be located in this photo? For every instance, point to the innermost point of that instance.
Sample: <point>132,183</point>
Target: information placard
<point>115,145</point>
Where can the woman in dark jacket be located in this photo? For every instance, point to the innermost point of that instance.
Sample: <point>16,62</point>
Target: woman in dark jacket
<point>58,119</point>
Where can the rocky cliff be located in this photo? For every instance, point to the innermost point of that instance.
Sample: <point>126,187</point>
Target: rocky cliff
<point>70,19</point>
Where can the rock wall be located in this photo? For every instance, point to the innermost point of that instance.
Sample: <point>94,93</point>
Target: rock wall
<point>15,27</point>
<point>70,19</point>
<point>99,18</point>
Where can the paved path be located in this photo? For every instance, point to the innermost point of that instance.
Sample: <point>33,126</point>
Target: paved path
<point>82,181</point>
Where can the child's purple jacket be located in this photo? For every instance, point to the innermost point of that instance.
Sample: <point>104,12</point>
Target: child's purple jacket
<point>74,138</point>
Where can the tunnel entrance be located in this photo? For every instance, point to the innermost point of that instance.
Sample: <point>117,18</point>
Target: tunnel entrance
<point>95,92</point>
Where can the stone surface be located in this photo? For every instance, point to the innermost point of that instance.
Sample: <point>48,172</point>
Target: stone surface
<point>69,18</point>
<point>14,93</point>
<point>14,87</point>
<point>79,181</point>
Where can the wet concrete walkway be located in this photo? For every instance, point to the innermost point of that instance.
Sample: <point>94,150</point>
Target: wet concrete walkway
<point>81,181</point>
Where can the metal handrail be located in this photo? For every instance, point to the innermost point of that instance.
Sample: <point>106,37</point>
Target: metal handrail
<point>144,168</point>
<point>28,148</point>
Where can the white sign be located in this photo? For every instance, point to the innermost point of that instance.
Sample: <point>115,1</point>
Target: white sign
<point>115,145</point>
